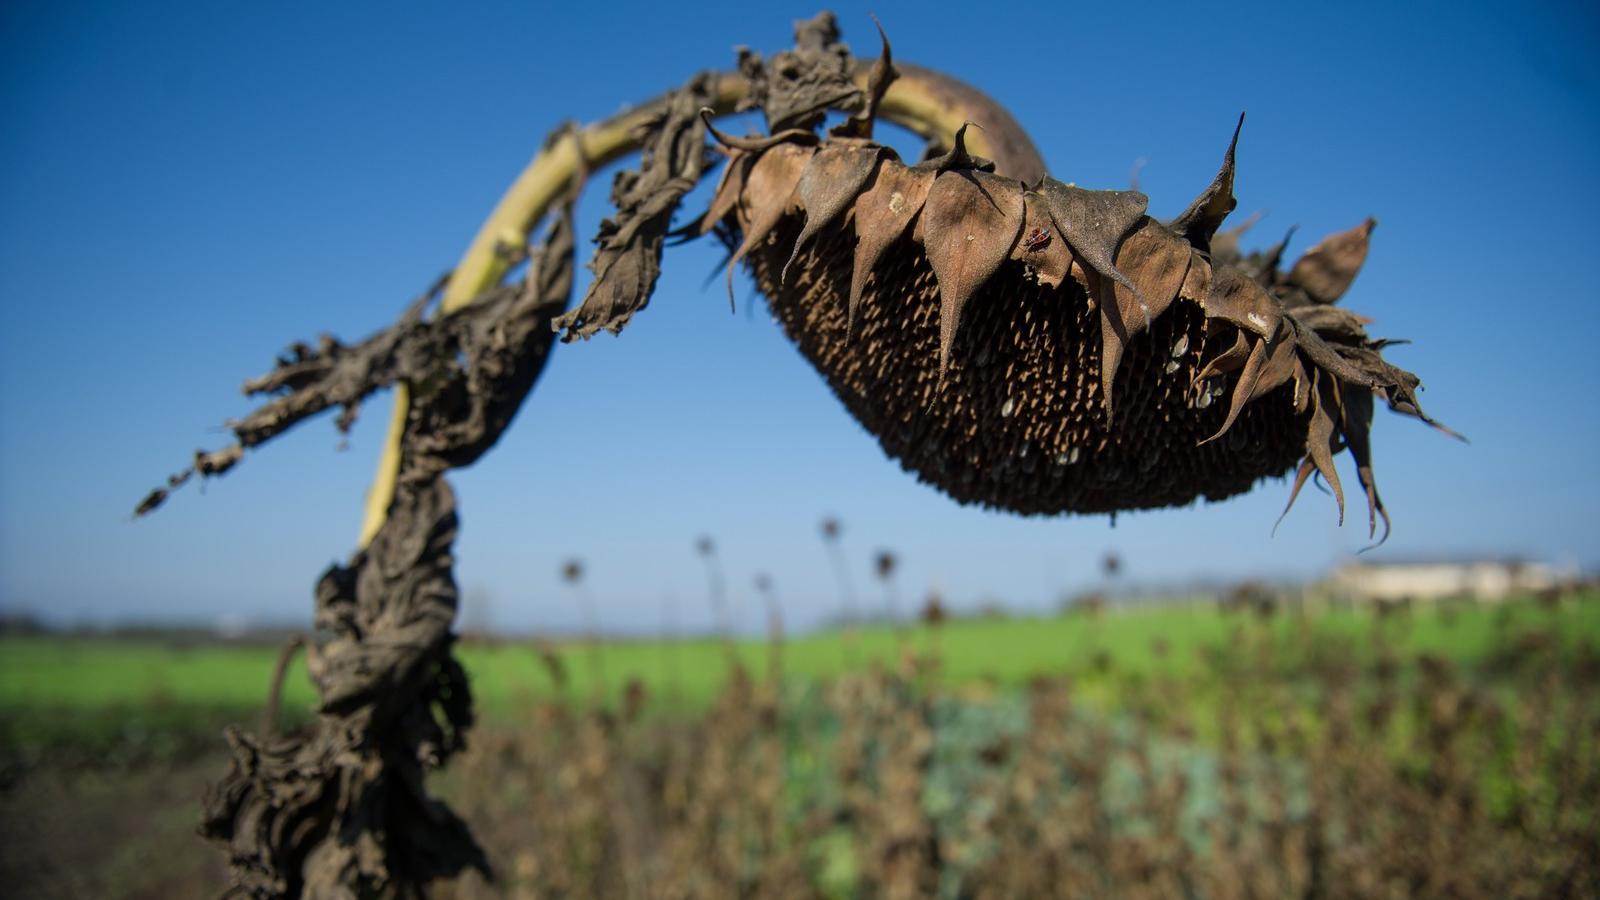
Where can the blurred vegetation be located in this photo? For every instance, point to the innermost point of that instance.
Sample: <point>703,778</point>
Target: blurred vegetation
<point>85,700</point>
<point>1251,748</point>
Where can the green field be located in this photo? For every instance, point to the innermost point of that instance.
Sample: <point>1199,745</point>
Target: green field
<point>100,697</point>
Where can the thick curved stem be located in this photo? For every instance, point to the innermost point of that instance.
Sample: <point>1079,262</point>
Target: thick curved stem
<point>928,103</point>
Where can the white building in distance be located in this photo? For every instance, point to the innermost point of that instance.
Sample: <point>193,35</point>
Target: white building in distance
<point>1479,579</point>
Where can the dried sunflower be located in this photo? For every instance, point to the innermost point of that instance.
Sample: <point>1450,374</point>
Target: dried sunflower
<point>1023,343</point>
<point>1014,340</point>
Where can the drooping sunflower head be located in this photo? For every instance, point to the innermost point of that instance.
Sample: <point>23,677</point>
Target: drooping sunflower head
<point>1040,347</point>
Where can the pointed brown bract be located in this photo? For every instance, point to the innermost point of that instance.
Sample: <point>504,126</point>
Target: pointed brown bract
<point>1042,248</point>
<point>768,196</point>
<point>893,198</point>
<point>1156,261</point>
<point>1327,270</point>
<point>1095,222</point>
<point>1200,221</point>
<point>1229,360</point>
<point>830,183</point>
<point>1237,298</point>
<point>729,189</point>
<point>970,223</point>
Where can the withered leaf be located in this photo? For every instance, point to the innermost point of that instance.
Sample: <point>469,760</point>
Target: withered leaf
<point>1095,222</point>
<point>726,196</point>
<point>628,260</point>
<point>1235,297</point>
<point>1204,216</point>
<point>1197,281</point>
<point>894,197</point>
<point>970,223</point>
<point>1327,270</point>
<point>958,157</point>
<point>1156,261</point>
<point>1356,424</point>
<point>830,183</point>
<point>1229,360</point>
<point>1322,439</point>
<point>882,75</point>
<point>1042,247</point>
<point>767,197</point>
<point>1244,387</point>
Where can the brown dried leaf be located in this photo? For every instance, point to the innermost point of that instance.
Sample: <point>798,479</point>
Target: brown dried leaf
<point>1042,247</point>
<point>769,193</point>
<point>1095,222</point>
<point>882,75</point>
<point>1245,387</point>
<point>1204,216</point>
<point>1327,270</point>
<point>1228,360</point>
<point>1356,424</point>
<point>970,223</point>
<point>731,185</point>
<point>830,183</point>
<point>1197,282</point>
<point>1157,261</point>
<point>1322,438</point>
<point>883,211</point>
<point>1237,298</point>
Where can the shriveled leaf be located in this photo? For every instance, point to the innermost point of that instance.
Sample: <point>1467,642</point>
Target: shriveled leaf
<point>1042,247</point>
<point>1094,223</point>
<point>1197,281</point>
<point>1322,440</point>
<point>1237,298</point>
<point>893,198</point>
<point>830,183</point>
<point>1244,388</point>
<point>628,260</point>
<point>970,223</point>
<point>769,193</point>
<point>1356,425</point>
<point>1327,270</point>
<point>882,75</point>
<point>1156,261</point>
<point>1229,360</point>
<point>726,196</point>
<point>1204,216</point>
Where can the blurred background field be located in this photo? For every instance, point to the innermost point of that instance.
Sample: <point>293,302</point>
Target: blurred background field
<point>1261,744</point>
<point>88,698</point>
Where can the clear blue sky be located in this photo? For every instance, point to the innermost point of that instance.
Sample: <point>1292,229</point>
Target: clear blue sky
<point>186,188</point>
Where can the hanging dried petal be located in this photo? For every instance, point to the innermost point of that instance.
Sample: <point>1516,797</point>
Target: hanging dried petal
<point>1204,216</point>
<point>729,188</point>
<point>1042,247</point>
<point>1156,261</point>
<point>830,183</point>
<point>768,196</point>
<point>1237,298</point>
<point>1322,440</point>
<point>1245,387</point>
<point>1095,222</point>
<point>1327,269</point>
<point>1228,360</point>
<point>882,75</point>
<point>882,213</point>
<point>970,223</point>
<point>1356,425</point>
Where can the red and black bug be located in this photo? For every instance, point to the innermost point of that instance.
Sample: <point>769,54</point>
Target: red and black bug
<point>1036,239</point>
